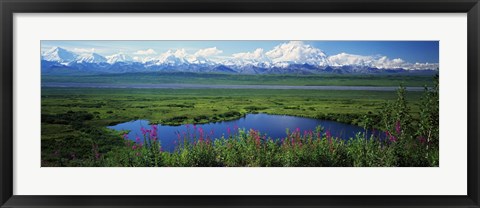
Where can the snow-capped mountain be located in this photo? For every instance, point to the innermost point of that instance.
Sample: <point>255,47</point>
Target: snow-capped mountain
<point>91,58</point>
<point>59,55</point>
<point>119,57</point>
<point>296,52</point>
<point>294,57</point>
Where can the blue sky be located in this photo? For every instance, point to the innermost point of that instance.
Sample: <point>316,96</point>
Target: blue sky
<point>410,51</point>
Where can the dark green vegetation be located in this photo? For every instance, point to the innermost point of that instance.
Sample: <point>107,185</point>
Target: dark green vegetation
<point>74,129</point>
<point>237,79</point>
<point>74,120</point>
<point>177,106</point>
<point>406,144</point>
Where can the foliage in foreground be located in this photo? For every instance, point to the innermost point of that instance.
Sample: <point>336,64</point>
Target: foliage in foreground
<point>403,143</point>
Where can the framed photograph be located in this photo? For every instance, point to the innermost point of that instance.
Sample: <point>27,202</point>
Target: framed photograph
<point>248,104</point>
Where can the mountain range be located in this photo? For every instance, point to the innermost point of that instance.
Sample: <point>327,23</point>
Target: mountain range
<point>289,58</point>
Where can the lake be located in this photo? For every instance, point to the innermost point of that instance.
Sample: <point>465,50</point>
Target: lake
<point>273,125</point>
<point>203,86</point>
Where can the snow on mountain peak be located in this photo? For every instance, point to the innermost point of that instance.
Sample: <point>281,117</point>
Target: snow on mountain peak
<point>297,52</point>
<point>292,54</point>
<point>59,55</point>
<point>91,58</point>
<point>119,57</point>
<point>171,58</point>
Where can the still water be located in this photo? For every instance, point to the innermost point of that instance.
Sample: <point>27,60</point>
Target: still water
<point>274,126</point>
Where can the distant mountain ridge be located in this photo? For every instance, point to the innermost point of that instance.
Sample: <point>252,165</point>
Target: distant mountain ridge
<point>313,61</point>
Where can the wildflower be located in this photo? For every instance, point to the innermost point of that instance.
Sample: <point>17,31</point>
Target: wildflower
<point>398,127</point>
<point>144,131</point>
<point>134,147</point>
<point>228,131</point>
<point>422,139</point>
<point>137,154</point>
<point>390,137</point>
<point>125,136</point>
<point>154,132</point>
<point>200,131</point>
<point>137,139</point>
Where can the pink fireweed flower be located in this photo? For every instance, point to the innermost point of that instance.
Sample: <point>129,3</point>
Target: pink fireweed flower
<point>328,134</point>
<point>144,131</point>
<point>422,139</point>
<point>228,131</point>
<point>391,137</point>
<point>137,139</point>
<point>201,134</point>
<point>154,129</point>
<point>134,147</point>
<point>255,136</point>
<point>398,128</point>
<point>125,136</point>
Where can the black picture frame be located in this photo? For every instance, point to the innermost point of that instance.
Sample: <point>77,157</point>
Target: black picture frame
<point>9,7</point>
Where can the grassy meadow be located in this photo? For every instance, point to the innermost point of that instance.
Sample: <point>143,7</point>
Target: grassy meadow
<point>246,79</point>
<point>74,121</point>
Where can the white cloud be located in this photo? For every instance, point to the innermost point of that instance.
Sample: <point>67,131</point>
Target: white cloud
<point>381,62</point>
<point>84,50</point>
<point>254,58</point>
<point>145,52</point>
<point>208,52</point>
<point>297,52</point>
<point>255,55</point>
<point>282,55</point>
<point>350,59</point>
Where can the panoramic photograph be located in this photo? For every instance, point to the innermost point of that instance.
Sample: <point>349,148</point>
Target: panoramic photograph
<point>239,103</point>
